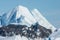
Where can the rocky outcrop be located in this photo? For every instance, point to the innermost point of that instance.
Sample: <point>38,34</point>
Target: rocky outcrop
<point>31,32</point>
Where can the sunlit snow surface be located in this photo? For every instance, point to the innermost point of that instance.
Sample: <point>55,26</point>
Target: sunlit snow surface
<point>16,37</point>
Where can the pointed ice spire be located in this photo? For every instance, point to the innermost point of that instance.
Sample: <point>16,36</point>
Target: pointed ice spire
<point>42,21</point>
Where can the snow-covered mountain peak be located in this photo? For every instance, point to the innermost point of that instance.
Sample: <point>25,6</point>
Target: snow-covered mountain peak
<point>24,16</point>
<point>20,7</point>
<point>25,12</point>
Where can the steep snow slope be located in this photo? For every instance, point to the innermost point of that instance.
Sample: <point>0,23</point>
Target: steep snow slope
<point>42,20</point>
<point>8,17</point>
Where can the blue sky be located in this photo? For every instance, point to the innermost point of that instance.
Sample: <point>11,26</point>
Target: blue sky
<point>49,8</point>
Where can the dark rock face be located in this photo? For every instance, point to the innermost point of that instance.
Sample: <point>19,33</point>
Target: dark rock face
<point>2,32</point>
<point>43,31</point>
<point>23,30</point>
<point>10,30</point>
